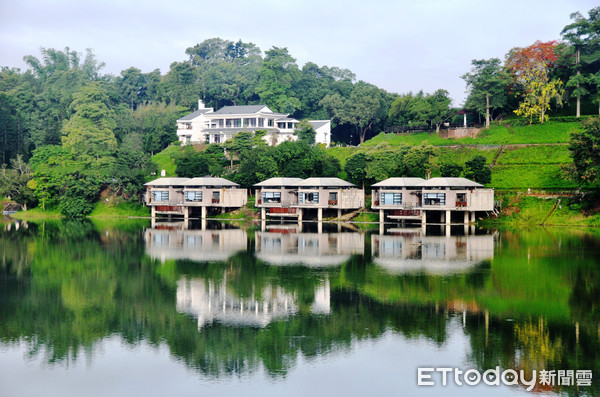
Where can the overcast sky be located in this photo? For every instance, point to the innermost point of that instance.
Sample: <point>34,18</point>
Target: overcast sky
<point>400,45</point>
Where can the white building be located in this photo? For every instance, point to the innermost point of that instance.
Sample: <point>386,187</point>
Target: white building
<point>206,125</point>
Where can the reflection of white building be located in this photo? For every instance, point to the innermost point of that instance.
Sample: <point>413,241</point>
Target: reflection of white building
<point>211,301</point>
<point>309,249</point>
<point>412,252</point>
<point>198,245</point>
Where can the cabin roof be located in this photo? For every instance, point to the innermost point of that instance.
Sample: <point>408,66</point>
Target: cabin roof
<point>449,182</point>
<point>280,182</point>
<point>167,182</point>
<point>399,182</point>
<point>209,181</point>
<point>327,182</point>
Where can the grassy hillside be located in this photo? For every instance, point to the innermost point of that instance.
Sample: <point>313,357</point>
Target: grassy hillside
<point>165,160</point>
<point>550,132</point>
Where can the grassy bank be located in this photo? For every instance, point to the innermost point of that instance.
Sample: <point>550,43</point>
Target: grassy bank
<point>101,210</point>
<point>519,209</point>
<point>550,132</point>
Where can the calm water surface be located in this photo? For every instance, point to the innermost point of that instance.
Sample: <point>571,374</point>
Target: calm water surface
<point>134,308</point>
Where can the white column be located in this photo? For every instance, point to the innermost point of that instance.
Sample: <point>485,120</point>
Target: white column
<point>320,214</point>
<point>153,211</point>
<point>381,216</point>
<point>263,213</point>
<point>339,213</point>
<point>466,218</point>
<point>186,213</point>
<point>472,216</point>
<point>448,217</point>
<point>300,215</point>
<point>203,216</point>
<point>423,218</point>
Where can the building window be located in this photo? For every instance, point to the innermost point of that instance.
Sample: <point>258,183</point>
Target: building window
<point>281,125</point>
<point>309,198</point>
<point>270,122</point>
<point>391,198</point>
<point>216,197</point>
<point>233,123</point>
<point>290,125</point>
<point>261,122</point>
<point>193,196</point>
<point>250,122</point>
<point>217,138</point>
<point>434,198</point>
<point>271,197</point>
<point>160,195</point>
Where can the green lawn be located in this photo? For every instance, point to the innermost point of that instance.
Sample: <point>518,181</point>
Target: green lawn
<point>535,155</point>
<point>535,176</point>
<point>121,210</point>
<point>550,132</point>
<point>165,160</point>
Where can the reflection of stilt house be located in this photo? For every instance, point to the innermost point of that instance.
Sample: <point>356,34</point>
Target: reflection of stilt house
<point>309,249</point>
<point>183,196</point>
<point>415,252</point>
<point>167,243</point>
<point>325,194</point>
<point>434,199</point>
<point>278,197</point>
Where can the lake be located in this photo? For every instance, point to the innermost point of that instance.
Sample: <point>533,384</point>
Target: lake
<point>221,309</point>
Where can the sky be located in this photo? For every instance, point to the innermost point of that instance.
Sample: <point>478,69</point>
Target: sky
<point>400,45</point>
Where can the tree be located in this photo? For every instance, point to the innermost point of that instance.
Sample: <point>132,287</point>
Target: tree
<point>356,167</point>
<point>530,68</point>
<point>306,132</point>
<point>585,150</point>
<point>89,131</point>
<point>361,109</point>
<point>583,35</point>
<point>439,108</point>
<point>277,74</point>
<point>190,163</point>
<point>486,86</point>
<point>14,182</point>
<point>477,170</point>
<point>451,170</point>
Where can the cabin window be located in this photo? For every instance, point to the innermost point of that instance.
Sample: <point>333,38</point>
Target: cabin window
<point>216,197</point>
<point>434,198</point>
<point>271,197</point>
<point>160,195</point>
<point>391,198</point>
<point>193,196</point>
<point>217,138</point>
<point>270,122</point>
<point>261,122</point>
<point>309,198</point>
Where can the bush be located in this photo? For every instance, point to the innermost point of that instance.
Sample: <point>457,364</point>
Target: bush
<point>75,207</point>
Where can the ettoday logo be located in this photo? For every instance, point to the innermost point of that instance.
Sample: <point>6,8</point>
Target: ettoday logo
<point>509,377</point>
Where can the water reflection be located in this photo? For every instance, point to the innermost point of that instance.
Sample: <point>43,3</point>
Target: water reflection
<point>282,246</point>
<point>173,240</point>
<point>410,250</point>
<point>224,300</point>
<point>211,301</point>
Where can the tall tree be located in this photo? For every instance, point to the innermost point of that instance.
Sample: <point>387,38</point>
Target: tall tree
<point>278,72</point>
<point>585,149</point>
<point>486,86</point>
<point>583,35</point>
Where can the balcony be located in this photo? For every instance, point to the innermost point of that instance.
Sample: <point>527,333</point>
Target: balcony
<point>332,202</point>
<point>277,210</point>
<point>216,201</point>
<point>461,204</point>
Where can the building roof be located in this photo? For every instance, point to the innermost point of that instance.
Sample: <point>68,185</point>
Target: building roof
<point>167,182</point>
<point>316,124</point>
<point>195,114</point>
<point>400,182</point>
<point>450,182</point>
<point>280,182</point>
<point>287,119</point>
<point>209,181</point>
<point>328,182</point>
<point>246,109</point>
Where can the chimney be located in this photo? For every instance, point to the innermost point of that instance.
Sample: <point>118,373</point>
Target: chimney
<point>163,173</point>
<point>201,104</point>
